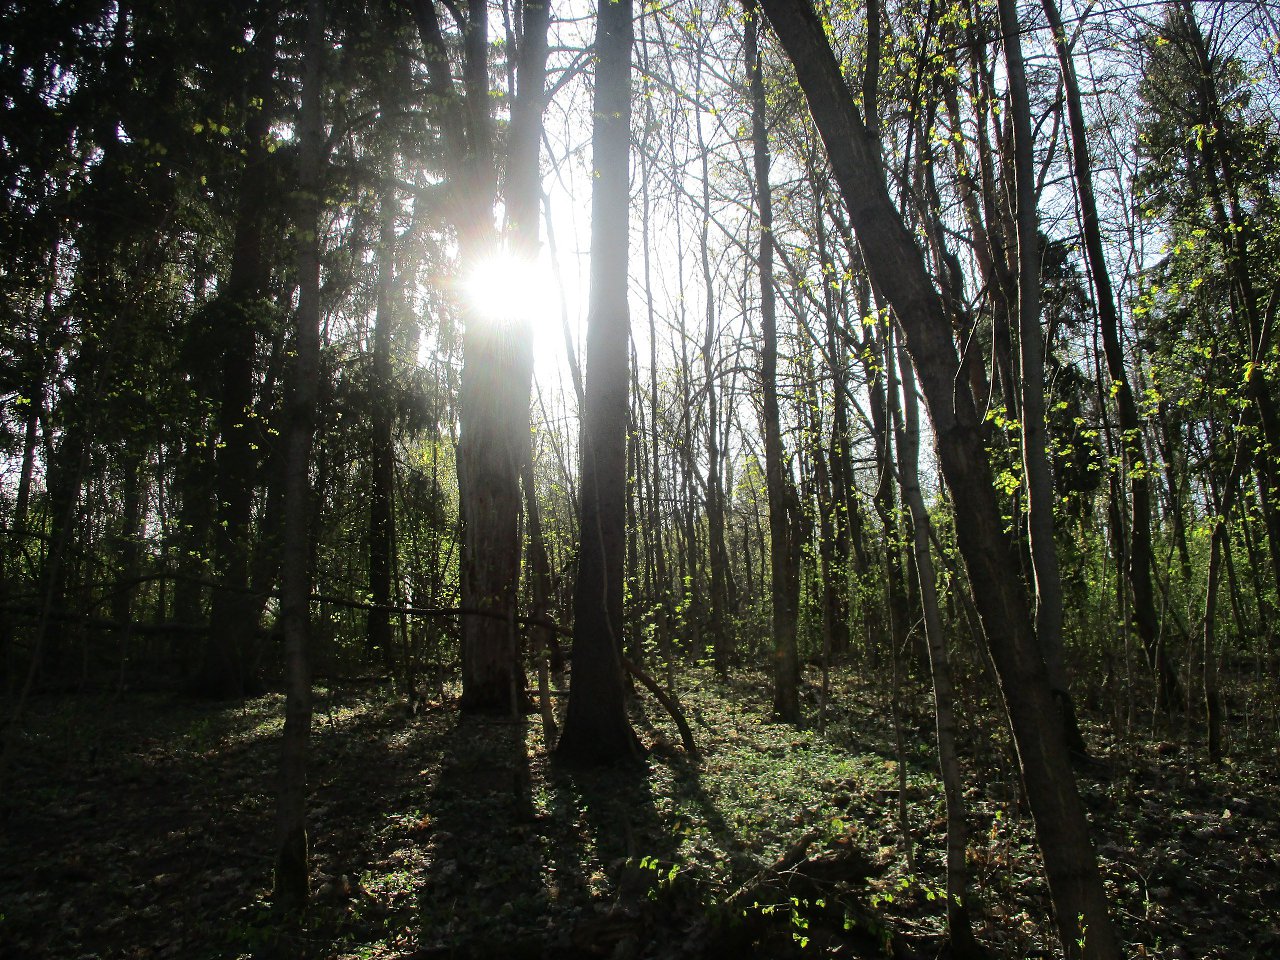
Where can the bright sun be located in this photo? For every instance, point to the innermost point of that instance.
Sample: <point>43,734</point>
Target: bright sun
<point>509,288</point>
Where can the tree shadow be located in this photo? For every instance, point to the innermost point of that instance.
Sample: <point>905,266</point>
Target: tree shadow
<point>528,858</point>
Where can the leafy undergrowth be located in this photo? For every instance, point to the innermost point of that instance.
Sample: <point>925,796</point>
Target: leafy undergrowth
<point>142,827</point>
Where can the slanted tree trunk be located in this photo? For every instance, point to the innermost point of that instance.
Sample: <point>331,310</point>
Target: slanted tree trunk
<point>292,855</point>
<point>896,267</point>
<point>596,729</point>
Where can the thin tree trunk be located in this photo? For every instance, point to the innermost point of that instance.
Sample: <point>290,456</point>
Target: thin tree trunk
<point>661,593</point>
<point>1035,455</point>
<point>128,553</point>
<point>717,560</point>
<point>382,533</point>
<point>227,671</point>
<point>959,926</point>
<point>1138,547</point>
<point>783,542</point>
<point>292,867</point>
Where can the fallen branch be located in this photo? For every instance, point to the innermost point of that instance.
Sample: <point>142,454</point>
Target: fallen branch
<point>686,735</point>
<point>102,623</point>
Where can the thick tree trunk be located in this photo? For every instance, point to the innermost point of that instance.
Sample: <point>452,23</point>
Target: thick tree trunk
<point>494,400</point>
<point>596,729</point>
<point>493,421</point>
<point>896,267</point>
<point>228,666</point>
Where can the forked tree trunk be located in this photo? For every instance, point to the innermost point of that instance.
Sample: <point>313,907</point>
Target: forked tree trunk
<point>895,265</point>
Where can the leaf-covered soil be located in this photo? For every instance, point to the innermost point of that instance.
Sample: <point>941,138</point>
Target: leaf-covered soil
<point>141,826</point>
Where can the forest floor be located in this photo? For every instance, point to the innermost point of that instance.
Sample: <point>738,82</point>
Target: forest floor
<point>141,826</point>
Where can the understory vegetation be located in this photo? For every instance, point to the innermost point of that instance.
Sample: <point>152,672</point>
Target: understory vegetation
<point>440,836</point>
<point>711,478</point>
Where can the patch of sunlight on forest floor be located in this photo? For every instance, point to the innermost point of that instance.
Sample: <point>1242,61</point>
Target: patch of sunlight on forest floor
<point>141,827</point>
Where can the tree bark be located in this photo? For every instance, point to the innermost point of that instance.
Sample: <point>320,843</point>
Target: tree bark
<point>292,854</point>
<point>228,670</point>
<point>661,598</point>
<point>783,542</point>
<point>1035,454</point>
<point>959,927</point>
<point>596,729</point>
<point>382,535</point>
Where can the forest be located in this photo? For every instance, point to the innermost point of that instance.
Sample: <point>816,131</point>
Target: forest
<point>696,478</point>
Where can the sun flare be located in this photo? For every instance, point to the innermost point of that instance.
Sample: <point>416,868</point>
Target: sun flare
<point>510,288</point>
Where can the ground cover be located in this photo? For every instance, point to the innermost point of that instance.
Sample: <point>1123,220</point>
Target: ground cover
<point>140,826</point>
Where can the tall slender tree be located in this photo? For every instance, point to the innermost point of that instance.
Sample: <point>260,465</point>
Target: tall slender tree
<point>784,547</point>
<point>596,729</point>
<point>292,867</point>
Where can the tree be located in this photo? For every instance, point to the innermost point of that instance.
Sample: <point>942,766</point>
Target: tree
<point>227,670</point>
<point>894,264</point>
<point>783,537</point>
<point>292,854</point>
<point>1138,547</point>
<point>596,728</point>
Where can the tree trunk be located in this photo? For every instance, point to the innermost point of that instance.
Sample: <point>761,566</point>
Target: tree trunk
<point>959,927</point>
<point>661,583</point>
<point>1138,568</point>
<point>896,267</point>
<point>783,543</point>
<point>382,533</point>
<point>596,729</point>
<point>718,557</point>
<point>292,855</point>
<point>227,670</point>
<point>1035,455</point>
